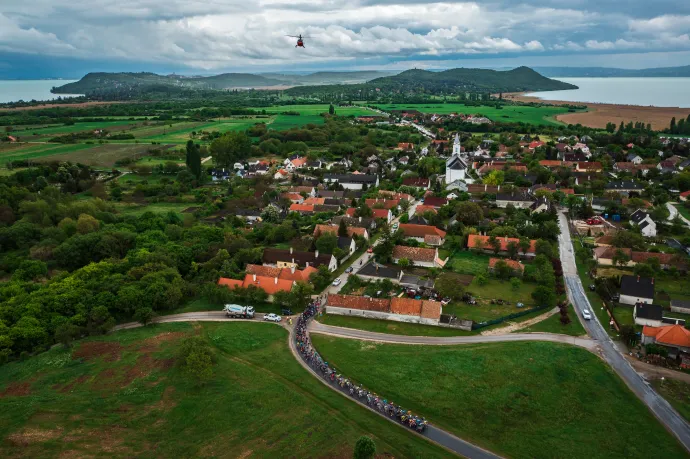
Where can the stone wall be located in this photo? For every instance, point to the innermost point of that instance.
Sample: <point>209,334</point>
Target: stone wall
<point>380,315</point>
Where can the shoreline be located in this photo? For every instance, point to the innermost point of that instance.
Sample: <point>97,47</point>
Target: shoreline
<point>598,114</point>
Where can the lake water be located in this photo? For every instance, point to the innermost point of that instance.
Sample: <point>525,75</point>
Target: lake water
<point>659,92</point>
<point>26,90</point>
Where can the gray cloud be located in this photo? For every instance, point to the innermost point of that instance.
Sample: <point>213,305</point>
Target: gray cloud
<point>215,34</point>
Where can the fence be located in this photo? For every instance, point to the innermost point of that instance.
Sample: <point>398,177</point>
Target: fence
<point>515,315</point>
<point>616,325</point>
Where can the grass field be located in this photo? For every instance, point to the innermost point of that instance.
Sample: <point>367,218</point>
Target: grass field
<point>101,155</point>
<point>677,393</point>
<point>126,397</point>
<point>468,262</point>
<point>317,109</point>
<point>115,125</point>
<point>389,327</point>
<point>553,325</point>
<point>509,113</point>
<point>39,151</point>
<point>284,122</point>
<point>683,210</point>
<point>180,133</point>
<point>523,400</point>
<point>136,209</point>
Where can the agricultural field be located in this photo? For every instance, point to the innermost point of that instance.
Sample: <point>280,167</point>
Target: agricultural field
<point>285,122</point>
<point>158,207</point>
<point>677,393</point>
<point>35,151</point>
<point>523,400</point>
<point>509,113</point>
<point>105,155</point>
<point>125,395</point>
<point>181,132</point>
<point>317,110</point>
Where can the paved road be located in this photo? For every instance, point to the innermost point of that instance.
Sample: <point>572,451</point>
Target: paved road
<point>340,332</point>
<point>658,406</point>
<point>673,212</point>
<point>365,257</point>
<point>206,316</point>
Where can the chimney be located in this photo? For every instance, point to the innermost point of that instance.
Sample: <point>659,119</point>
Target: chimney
<point>276,280</point>
<point>316,254</point>
<point>360,219</point>
<point>254,276</point>
<point>307,264</point>
<point>638,279</point>
<point>290,250</point>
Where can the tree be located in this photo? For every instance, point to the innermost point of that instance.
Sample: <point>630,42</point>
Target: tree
<point>628,240</point>
<point>525,244</point>
<point>342,229</point>
<point>404,262</point>
<point>327,242</point>
<point>321,278</point>
<point>196,359</point>
<point>494,178</point>
<point>66,334</point>
<point>229,148</point>
<point>481,279</point>
<point>331,110</point>
<point>384,250</point>
<point>87,224</point>
<point>544,295</point>
<point>620,258</point>
<point>495,244</point>
<point>193,158</point>
<point>515,283</point>
<point>365,448</point>
<point>271,214</point>
<point>543,247</point>
<point>449,285</point>
<point>512,249</point>
<point>301,295</point>
<point>502,270</point>
<point>144,315</point>
<point>469,213</point>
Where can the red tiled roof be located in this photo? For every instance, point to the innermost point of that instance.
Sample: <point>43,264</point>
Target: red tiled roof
<point>270,285</point>
<point>589,166</point>
<point>358,302</point>
<point>672,335</point>
<point>685,194</point>
<point>406,146</point>
<point>386,203</point>
<point>261,270</point>
<point>517,266</point>
<point>475,241</point>
<point>411,230</point>
<point>432,239</point>
<point>314,201</point>
<point>293,196</point>
<point>421,209</point>
<point>550,163</point>
<point>351,231</point>
<point>301,208</point>
<point>406,306</point>
<point>230,283</point>
<point>419,182</point>
<point>435,202</point>
<point>535,144</point>
<point>431,309</point>
<point>414,253</point>
<point>297,162</point>
<point>394,195</point>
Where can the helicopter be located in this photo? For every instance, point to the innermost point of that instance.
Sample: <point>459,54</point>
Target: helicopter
<point>300,40</point>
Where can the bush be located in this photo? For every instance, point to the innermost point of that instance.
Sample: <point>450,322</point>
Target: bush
<point>196,359</point>
<point>365,448</point>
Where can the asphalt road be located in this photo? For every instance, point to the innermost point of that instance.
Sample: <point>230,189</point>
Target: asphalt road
<point>351,333</point>
<point>673,212</point>
<point>658,406</point>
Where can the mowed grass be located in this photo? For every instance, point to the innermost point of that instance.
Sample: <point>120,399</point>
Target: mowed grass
<point>389,327</point>
<point>284,122</point>
<point>677,393</point>
<point>521,400</point>
<point>468,262</point>
<point>182,133</point>
<point>158,207</point>
<point>509,113</point>
<point>553,325</point>
<point>126,397</point>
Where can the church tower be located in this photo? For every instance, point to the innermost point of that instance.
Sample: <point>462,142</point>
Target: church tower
<point>456,145</point>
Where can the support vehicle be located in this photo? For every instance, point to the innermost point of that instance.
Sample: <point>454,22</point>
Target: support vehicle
<point>239,312</point>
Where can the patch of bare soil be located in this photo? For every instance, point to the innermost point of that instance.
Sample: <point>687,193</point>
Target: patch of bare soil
<point>30,436</point>
<point>16,389</point>
<point>71,385</point>
<point>144,365</point>
<point>109,351</point>
<point>153,344</point>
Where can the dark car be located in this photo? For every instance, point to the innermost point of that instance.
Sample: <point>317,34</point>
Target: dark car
<point>592,287</point>
<point>286,311</point>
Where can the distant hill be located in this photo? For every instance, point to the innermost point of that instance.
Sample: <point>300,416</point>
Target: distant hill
<point>318,78</point>
<point>105,82</point>
<point>462,79</point>
<point>606,72</point>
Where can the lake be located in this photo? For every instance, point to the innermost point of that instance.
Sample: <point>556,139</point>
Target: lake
<point>659,92</point>
<point>26,90</point>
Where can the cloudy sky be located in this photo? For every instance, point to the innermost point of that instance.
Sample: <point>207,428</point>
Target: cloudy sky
<point>206,36</point>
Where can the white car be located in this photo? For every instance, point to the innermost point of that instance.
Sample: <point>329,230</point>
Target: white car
<point>586,314</point>
<point>272,317</point>
<point>337,281</point>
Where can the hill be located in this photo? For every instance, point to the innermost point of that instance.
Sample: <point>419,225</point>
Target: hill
<point>321,78</point>
<point>125,395</point>
<point>462,79</point>
<point>606,72</point>
<point>106,82</point>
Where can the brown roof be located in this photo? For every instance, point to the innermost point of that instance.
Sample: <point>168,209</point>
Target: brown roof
<point>351,230</point>
<point>419,182</point>
<point>421,210</point>
<point>261,270</point>
<point>414,253</point>
<point>432,239</point>
<point>475,241</point>
<point>386,203</point>
<point>431,310</point>
<point>411,230</point>
<point>517,266</point>
<point>358,302</point>
<point>604,240</point>
<point>550,163</point>
<point>406,306</point>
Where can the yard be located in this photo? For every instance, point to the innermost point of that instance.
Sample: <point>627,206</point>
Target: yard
<point>124,395</point>
<point>468,262</point>
<point>553,325</point>
<point>523,400</point>
<point>508,113</point>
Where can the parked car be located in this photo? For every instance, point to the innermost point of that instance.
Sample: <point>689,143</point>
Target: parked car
<point>592,287</point>
<point>286,311</point>
<point>520,305</point>
<point>337,281</point>
<point>586,314</point>
<point>348,270</point>
<point>273,317</point>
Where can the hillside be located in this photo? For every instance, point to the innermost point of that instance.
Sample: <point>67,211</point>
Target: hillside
<point>462,79</point>
<point>321,78</point>
<point>606,72</point>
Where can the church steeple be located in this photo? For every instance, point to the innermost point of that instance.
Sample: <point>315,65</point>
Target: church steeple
<point>456,145</point>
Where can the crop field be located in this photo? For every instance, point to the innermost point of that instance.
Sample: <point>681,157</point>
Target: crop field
<point>99,155</point>
<point>115,125</point>
<point>124,395</point>
<point>509,113</point>
<point>284,122</point>
<point>163,132</point>
<point>180,132</point>
<point>521,400</point>
<point>317,110</point>
<point>39,151</point>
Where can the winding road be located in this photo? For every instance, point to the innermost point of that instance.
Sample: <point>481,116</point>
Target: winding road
<point>609,351</point>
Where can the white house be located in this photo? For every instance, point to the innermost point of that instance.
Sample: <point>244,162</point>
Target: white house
<point>636,289</point>
<point>644,221</point>
<point>634,158</point>
<point>456,167</point>
<point>650,315</point>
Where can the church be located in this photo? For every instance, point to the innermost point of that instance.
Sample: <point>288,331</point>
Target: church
<point>456,167</point>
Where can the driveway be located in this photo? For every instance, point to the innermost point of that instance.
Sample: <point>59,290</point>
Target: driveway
<point>673,212</point>
<point>657,405</point>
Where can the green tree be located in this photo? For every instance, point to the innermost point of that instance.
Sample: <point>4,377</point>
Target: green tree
<point>321,278</point>
<point>327,242</point>
<point>331,110</point>
<point>365,448</point>
<point>87,224</point>
<point>193,158</point>
<point>144,315</point>
<point>544,295</point>
<point>66,334</point>
<point>494,243</point>
<point>620,258</point>
<point>404,263</point>
<point>449,285</point>
<point>229,148</point>
<point>512,249</point>
<point>524,244</point>
<point>502,270</point>
<point>515,283</point>
<point>481,280</point>
<point>342,228</point>
<point>196,359</point>
<point>469,213</point>
<point>494,178</point>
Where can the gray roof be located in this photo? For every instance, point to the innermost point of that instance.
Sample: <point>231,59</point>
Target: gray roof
<point>416,281</point>
<point>680,303</point>
<point>624,186</point>
<point>637,287</point>
<point>351,178</point>
<point>373,269</point>
<point>649,311</point>
<point>638,216</point>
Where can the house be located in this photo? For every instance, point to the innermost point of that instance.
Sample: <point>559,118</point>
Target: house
<point>636,289</point>
<point>551,164</point>
<point>518,268</point>
<point>417,255</point>
<point>251,215</point>
<point>519,200</point>
<point>593,166</point>
<point>673,337</point>
<point>456,167</point>
<point>501,166</point>
<point>418,182</point>
<point>541,205</point>
<point>649,315</point>
<point>318,164</point>
<point>383,203</point>
<point>684,195</point>
<point>376,271</point>
<point>287,258</point>
<point>422,209</point>
<point>347,245</point>
<point>422,233</point>
<point>351,231</point>
<point>294,198</point>
<point>384,214</point>
<point>281,174</point>
<point>404,160</point>
<point>452,196</point>
<point>352,181</point>
<point>314,201</point>
<point>644,221</point>
<point>418,220</point>
<point>238,166</point>
<point>624,187</point>
<point>356,222</point>
<point>478,242</point>
<point>604,241</point>
<point>270,285</point>
<point>397,309</point>
<point>435,202</point>
<point>535,144</point>
<point>295,163</point>
<point>302,208</point>
<point>604,255</point>
<point>634,158</point>
<point>583,148</point>
<point>573,157</point>
<point>405,146</point>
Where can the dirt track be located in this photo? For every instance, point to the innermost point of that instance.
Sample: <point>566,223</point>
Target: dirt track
<point>600,114</point>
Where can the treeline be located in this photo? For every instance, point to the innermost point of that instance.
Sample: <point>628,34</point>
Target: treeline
<point>682,127</point>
